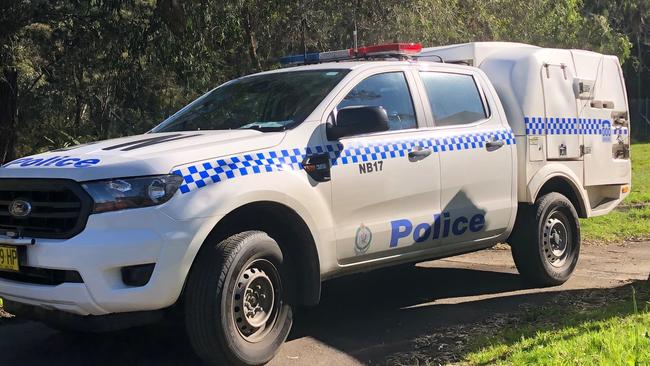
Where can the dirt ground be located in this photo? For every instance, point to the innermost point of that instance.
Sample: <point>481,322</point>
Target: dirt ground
<point>363,319</point>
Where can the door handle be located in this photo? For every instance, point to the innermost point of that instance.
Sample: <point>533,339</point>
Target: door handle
<point>494,145</point>
<point>419,153</point>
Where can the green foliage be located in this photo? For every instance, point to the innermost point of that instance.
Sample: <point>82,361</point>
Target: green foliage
<point>89,70</point>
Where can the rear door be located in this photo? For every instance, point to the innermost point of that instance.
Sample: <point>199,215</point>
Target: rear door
<point>603,112</point>
<point>476,149</point>
<point>385,196</point>
<point>563,138</point>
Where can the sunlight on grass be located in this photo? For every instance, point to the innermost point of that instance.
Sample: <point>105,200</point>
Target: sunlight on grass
<point>632,224</point>
<point>616,335</point>
<point>615,341</point>
<point>640,174</point>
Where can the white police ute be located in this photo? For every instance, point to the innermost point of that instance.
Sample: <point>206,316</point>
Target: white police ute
<point>237,207</point>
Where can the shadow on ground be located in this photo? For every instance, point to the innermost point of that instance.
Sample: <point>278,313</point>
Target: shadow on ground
<point>368,317</point>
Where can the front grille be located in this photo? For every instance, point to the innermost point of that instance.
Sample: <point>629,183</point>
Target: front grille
<point>60,208</point>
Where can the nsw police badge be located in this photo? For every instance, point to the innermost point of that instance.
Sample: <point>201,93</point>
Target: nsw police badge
<point>606,131</point>
<point>362,240</point>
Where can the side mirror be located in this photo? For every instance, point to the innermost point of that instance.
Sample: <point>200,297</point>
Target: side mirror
<point>358,120</point>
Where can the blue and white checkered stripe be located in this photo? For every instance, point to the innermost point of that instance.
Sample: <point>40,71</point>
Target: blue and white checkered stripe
<point>562,126</point>
<point>567,126</point>
<point>620,131</point>
<point>202,174</point>
<point>535,126</point>
<point>399,148</point>
<point>592,126</point>
<point>199,175</point>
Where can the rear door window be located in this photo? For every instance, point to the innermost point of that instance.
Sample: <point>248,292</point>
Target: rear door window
<point>454,98</point>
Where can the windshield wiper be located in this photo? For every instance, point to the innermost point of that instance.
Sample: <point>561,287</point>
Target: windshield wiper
<point>263,128</point>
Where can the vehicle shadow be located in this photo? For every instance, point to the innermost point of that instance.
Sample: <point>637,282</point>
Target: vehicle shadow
<point>370,315</point>
<point>366,316</point>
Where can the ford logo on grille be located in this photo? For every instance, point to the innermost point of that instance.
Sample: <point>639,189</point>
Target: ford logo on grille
<point>20,208</point>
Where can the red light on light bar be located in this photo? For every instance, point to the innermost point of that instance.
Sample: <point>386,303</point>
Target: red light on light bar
<point>390,48</point>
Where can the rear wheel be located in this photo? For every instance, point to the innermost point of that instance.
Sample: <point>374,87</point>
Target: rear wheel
<point>237,302</point>
<point>546,240</point>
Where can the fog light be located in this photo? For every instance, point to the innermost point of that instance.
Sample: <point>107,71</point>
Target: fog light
<point>138,275</point>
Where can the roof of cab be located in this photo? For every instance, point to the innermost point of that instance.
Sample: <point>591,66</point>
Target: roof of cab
<point>360,65</point>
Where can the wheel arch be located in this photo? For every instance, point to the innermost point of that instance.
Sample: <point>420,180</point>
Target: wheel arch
<point>566,186</point>
<point>291,232</point>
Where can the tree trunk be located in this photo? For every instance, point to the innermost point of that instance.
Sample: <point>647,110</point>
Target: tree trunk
<point>252,40</point>
<point>8,112</point>
<point>172,13</point>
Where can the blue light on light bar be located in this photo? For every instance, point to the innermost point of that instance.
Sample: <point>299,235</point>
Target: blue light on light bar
<point>300,59</point>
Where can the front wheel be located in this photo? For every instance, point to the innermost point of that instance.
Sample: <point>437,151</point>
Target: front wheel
<point>546,240</point>
<point>237,304</point>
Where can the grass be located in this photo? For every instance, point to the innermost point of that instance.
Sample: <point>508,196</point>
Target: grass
<point>640,174</point>
<point>620,225</point>
<point>631,221</point>
<point>616,334</point>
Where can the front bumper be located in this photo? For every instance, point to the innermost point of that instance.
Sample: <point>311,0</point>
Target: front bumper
<point>110,242</point>
<point>84,323</point>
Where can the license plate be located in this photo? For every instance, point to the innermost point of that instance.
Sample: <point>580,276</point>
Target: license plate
<point>9,259</point>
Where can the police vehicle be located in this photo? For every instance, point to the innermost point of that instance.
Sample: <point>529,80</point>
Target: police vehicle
<point>236,208</point>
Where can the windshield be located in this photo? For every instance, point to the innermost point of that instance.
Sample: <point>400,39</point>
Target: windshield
<point>270,102</point>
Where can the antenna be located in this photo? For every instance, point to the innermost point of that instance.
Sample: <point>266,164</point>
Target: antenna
<point>354,36</point>
<point>355,47</point>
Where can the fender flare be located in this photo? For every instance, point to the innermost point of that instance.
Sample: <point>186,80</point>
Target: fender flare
<point>557,170</point>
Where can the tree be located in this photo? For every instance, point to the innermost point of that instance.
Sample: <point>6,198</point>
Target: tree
<point>15,17</point>
<point>630,18</point>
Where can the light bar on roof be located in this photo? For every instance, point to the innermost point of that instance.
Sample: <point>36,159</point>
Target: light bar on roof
<point>389,49</point>
<point>336,55</point>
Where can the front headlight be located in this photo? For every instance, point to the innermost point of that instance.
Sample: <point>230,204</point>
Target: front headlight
<point>121,194</point>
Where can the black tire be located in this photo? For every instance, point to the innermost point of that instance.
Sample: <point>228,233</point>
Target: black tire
<point>218,328</point>
<point>546,240</point>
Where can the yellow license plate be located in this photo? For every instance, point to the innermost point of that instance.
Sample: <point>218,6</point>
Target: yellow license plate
<point>9,259</point>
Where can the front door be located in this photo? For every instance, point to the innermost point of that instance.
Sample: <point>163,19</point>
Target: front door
<point>385,186</point>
